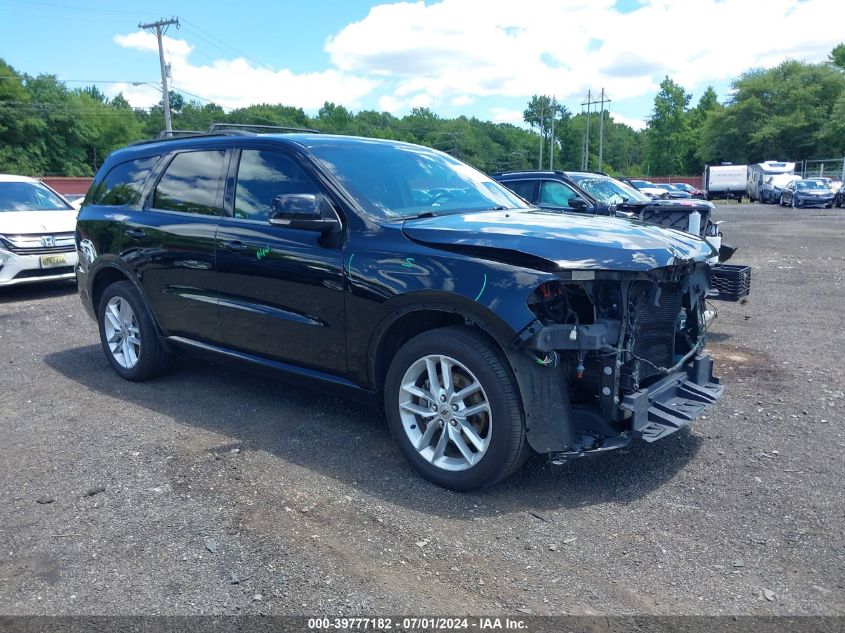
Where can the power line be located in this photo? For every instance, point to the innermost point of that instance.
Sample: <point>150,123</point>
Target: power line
<point>199,32</point>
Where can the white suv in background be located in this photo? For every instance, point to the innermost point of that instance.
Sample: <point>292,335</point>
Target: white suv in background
<point>36,232</point>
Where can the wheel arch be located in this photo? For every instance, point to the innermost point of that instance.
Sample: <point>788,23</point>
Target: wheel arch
<point>422,313</point>
<point>109,273</point>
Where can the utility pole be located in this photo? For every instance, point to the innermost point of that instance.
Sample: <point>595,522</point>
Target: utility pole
<point>552,140</point>
<point>601,131</point>
<point>585,163</point>
<point>160,30</point>
<point>542,138</point>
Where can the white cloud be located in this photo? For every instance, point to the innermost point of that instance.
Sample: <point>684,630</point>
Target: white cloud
<point>146,41</point>
<point>456,53</point>
<point>504,115</point>
<point>452,48</point>
<point>237,83</point>
<point>637,124</point>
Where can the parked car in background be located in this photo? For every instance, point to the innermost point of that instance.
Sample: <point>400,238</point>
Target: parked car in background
<point>806,193</point>
<point>694,192</point>
<point>648,188</point>
<point>673,191</point>
<point>840,196</point>
<point>36,232</point>
<point>599,194</point>
<point>773,186</point>
<point>75,199</point>
<point>398,275</point>
<point>831,183</point>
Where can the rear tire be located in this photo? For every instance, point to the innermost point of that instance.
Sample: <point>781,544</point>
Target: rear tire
<point>128,334</point>
<point>451,449</point>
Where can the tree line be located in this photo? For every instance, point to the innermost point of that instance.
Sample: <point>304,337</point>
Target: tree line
<point>794,111</point>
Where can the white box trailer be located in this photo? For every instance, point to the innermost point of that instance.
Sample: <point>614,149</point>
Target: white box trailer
<point>725,181</point>
<point>759,172</point>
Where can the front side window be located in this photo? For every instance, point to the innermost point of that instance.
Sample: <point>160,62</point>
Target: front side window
<point>122,185</point>
<point>403,181</point>
<point>262,176</point>
<point>556,194</point>
<point>29,196</point>
<point>191,183</point>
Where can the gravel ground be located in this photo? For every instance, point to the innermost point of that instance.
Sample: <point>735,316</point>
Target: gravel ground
<point>213,491</point>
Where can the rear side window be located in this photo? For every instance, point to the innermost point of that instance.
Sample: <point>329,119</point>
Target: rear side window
<point>524,188</point>
<point>122,185</point>
<point>192,183</point>
<point>264,175</point>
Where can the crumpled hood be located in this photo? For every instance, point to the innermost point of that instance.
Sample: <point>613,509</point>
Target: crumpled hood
<point>569,240</point>
<point>37,222</point>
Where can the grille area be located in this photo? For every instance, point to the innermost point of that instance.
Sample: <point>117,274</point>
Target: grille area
<point>654,330</point>
<point>44,272</point>
<point>31,244</point>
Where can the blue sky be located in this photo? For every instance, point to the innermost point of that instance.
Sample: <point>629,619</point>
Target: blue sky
<point>472,57</point>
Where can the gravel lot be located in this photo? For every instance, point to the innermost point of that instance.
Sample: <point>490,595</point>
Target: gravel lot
<point>214,491</point>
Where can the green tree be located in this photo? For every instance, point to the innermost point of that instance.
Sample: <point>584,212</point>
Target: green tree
<point>837,56</point>
<point>786,112</point>
<point>667,137</point>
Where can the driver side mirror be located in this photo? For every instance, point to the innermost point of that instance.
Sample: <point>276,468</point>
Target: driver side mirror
<point>303,211</point>
<point>579,204</point>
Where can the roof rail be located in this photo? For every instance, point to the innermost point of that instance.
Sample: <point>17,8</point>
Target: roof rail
<point>176,135</point>
<point>216,127</point>
<point>222,129</point>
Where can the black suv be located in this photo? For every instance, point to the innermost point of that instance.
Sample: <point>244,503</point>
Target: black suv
<point>399,275</point>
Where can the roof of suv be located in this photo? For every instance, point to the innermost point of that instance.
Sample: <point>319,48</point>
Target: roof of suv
<point>303,139</point>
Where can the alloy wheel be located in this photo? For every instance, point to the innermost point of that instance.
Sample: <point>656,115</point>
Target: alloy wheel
<point>122,332</point>
<point>445,412</point>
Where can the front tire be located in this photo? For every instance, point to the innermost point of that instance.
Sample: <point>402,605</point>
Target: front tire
<point>454,410</point>
<point>128,334</point>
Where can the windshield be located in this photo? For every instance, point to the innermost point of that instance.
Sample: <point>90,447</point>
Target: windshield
<point>667,186</point>
<point>811,184</point>
<point>29,196</point>
<point>643,183</point>
<point>404,181</point>
<point>608,190</point>
<point>781,180</point>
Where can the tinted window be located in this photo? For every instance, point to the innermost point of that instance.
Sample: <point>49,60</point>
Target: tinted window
<point>524,188</point>
<point>261,177</point>
<point>556,194</point>
<point>191,183</point>
<point>122,185</point>
<point>29,196</point>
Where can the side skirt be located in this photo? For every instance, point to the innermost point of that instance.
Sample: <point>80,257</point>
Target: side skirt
<point>293,374</point>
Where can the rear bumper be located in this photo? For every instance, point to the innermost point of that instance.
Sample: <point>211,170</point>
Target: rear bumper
<point>674,401</point>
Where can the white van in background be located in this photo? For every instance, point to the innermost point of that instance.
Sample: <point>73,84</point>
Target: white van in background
<point>725,181</point>
<point>758,176</point>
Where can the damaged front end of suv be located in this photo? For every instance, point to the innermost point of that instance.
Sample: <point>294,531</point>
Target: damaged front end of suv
<point>610,333</point>
<point>624,353</point>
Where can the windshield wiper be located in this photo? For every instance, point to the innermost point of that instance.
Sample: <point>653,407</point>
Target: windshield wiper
<point>424,214</point>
